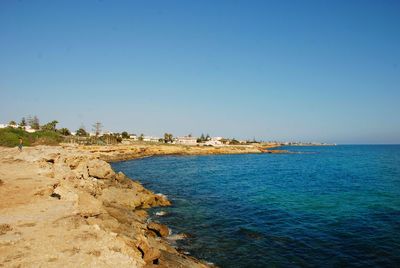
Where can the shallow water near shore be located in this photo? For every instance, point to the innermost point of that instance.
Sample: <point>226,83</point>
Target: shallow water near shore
<point>331,206</point>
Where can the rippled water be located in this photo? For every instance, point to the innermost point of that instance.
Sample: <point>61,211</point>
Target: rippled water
<point>324,206</point>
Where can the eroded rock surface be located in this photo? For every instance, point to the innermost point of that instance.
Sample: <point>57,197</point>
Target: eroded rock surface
<point>65,207</point>
<point>160,229</point>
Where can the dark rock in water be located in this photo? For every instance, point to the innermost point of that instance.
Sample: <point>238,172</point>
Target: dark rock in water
<point>55,195</point>
<point>250,233</point>
<point>160,229</point>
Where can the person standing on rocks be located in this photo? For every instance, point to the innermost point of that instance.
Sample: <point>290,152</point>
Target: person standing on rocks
<point>20,144</point>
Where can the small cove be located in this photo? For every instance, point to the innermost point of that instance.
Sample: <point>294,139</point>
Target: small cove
<point>326,205</point>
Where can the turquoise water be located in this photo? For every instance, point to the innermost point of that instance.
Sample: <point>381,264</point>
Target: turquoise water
<point>322,206</point>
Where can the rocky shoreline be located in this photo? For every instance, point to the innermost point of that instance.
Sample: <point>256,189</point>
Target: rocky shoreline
<point>129,152</point>
<point>65,206</point>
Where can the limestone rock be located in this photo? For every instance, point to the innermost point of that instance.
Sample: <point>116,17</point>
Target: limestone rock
<point>149,254</point>
<point>89,206</point>
<point>120,176</point>
<point>100,169</point>
<point>66,193</point>
<point>4,228</point>
<point>120,196</point>
<point>82,213</point>
<point>160,229</point>
<point>62,171</point>
<point>90,186</point>
<point>82,170</point>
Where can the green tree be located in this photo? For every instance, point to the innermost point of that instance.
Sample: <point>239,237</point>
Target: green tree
<point>168,137</point>
<point>23,122</point>
<point>34,122</point>
<point>224,141</point>
<point>125,135</point>
<point>118,137</point>
<point>51,126</point>
<point>201,139</point>
<point>141,137</point>
<point>234,141</point>
<point>64,131</point>
<point>12,123</point>
<point>82,132</point>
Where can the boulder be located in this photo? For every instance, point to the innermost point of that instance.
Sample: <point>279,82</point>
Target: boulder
<point>100,169</point>
<point>162,200</point>
<point>160,229</point>
<point>149,254</point>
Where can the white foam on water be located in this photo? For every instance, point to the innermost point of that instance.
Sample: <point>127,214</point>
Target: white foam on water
<point>162,195</point>
<point>176,237</point>
<point>161,213</point>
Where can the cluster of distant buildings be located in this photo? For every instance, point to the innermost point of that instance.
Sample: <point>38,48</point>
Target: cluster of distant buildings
<point>183,140</point>
<point>26,128</point>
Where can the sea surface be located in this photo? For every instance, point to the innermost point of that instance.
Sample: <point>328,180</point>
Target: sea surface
<point>333,206</point>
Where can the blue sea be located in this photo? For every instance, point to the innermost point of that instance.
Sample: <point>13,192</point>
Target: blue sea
<point>336,206</point>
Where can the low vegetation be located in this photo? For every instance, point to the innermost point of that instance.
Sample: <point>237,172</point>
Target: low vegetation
<point>9,137</point>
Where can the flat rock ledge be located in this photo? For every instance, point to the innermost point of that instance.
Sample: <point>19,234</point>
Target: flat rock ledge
<point>65,207</point>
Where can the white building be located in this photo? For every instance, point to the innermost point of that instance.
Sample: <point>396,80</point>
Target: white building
<point>26,128</point>
<point>213,143</point>
<point>186,140</point>
<point>29,129</point>
<point>151,138</point>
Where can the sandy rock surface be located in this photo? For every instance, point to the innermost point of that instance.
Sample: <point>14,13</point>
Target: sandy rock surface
<point>66,207</point>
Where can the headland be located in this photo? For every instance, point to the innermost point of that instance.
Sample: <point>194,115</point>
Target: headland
<point>65,206</point>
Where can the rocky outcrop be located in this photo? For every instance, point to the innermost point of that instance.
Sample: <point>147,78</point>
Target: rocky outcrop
<point>160,229</point>
<point>100,169</point>
<point>127,152</point>
<point>87,215</point>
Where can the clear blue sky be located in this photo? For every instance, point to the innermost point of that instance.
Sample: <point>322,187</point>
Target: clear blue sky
<point>275,70</point>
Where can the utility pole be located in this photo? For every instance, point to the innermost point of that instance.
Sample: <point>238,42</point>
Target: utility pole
<point>97,128</point>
